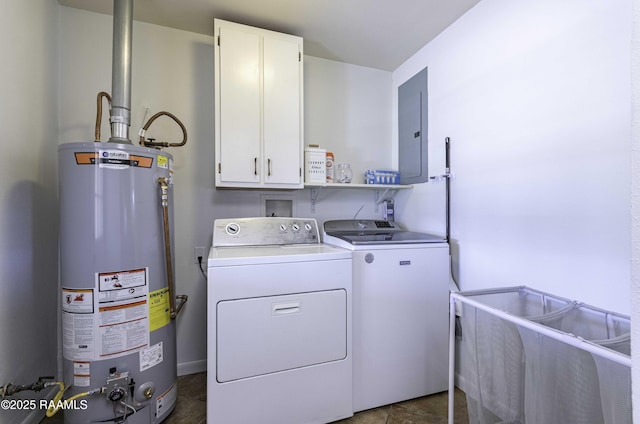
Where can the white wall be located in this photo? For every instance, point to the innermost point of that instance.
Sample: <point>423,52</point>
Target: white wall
<point>345,107</point>
<point>28,197</point>
<point>348,112</point>
<point>635,208</point>
<point>535,97</point>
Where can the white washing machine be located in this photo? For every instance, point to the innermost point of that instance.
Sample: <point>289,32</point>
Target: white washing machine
<point>400,310</point>
<point>278,324</point>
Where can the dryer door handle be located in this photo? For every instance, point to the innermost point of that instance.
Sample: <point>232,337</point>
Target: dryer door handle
<point>285,308</point>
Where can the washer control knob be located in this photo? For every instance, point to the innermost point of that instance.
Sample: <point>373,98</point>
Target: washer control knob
<point>308,227</point>
<point>283,228</point>
<point>295,227</point>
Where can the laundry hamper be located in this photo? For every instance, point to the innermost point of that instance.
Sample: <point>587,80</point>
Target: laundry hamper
<point>491,354</point>
<point>526,356</point>
<point>615,382</point>
<point>562,381</point>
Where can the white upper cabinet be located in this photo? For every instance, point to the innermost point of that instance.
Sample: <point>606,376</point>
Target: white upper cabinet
<point>258,107</point>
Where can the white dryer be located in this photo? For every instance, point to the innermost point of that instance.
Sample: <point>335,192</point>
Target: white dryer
<point>279,324</point>
<point>400,310</point>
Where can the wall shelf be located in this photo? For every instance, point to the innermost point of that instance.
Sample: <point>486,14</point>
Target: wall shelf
<point>377,188</point>
<point>365,186</point>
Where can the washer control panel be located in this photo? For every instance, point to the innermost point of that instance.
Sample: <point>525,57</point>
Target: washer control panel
<point>361,225</point>
<point>265,231</point>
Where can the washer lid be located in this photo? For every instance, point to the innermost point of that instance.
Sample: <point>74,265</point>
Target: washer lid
<point>372,232</point>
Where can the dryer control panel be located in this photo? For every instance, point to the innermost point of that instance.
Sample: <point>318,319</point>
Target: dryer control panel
<point>262,231</point>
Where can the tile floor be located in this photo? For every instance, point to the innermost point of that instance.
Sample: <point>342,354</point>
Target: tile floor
<point>425,410</point>
<point>192,401</point>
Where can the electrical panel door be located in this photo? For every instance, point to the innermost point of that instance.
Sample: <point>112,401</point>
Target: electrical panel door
<point>412,129</point>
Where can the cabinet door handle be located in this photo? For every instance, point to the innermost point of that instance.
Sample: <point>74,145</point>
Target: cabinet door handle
<point>255,166</point>
<point>269,167</point>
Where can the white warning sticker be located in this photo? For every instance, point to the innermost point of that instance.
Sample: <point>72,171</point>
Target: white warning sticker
<point>82,374</point>
<point>151,356</point>
<point>122,312</point>
<point>123,328</point>
<point>122,285</point>
<point>79,301</point>
<point>165,402</point>
<point>78,324</point>
<point>109,320</point>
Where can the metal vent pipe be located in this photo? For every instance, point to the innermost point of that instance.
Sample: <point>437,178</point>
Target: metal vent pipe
<point>121,71</point>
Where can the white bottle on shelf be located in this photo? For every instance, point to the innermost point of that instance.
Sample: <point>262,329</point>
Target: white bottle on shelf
<point>329,163</point>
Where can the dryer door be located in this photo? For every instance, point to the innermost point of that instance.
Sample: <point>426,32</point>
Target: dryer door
<point>264,335</point>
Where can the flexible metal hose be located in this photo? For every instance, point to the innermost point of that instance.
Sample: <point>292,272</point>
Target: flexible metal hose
<point>99,112</point>
<point>52,410</point>
<point>145,143</point>
<point>57,400</point>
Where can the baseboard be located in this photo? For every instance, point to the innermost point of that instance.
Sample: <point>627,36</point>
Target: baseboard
<point>193,367</point>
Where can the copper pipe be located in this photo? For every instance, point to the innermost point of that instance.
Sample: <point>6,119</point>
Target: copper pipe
<point>145,143</point>
<point>99,112</point>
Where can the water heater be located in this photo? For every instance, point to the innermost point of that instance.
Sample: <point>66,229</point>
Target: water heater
<point>119,343</point>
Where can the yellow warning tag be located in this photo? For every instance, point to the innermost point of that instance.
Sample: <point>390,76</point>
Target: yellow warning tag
<point>163,162</point>
<point>159,309</point>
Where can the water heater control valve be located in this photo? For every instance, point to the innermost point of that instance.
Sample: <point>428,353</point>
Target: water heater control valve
<point>117,385</point>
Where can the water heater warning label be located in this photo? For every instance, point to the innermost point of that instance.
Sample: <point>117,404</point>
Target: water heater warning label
<point>77,301</point>
<point>81,374</point>
<point>163,162</point>
<point>123,328</point>
<point>123,312</point>
<point>122,285</point>
<point>165,402</point>
<point>109,320</point>
<point>78,324</point>
<point>159,309</point>
<point>151,356</point>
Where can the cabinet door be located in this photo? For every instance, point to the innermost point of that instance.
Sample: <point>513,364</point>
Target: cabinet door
<point>282,104</point>
<point>239,91</point>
